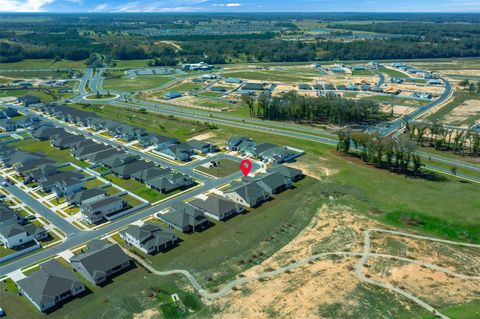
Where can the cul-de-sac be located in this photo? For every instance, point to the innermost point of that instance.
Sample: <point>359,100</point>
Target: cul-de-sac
<point>207,159</point>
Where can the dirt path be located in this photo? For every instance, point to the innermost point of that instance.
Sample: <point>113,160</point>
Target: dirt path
<point>363,257</point>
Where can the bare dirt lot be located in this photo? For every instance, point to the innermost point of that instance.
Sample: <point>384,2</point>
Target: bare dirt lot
<point>329,288</point>
<point>464,111</point>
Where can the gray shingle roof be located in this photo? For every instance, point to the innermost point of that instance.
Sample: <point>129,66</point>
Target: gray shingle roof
<point>100,257</point>
<point>184,215</point>
<point>130,168</point>
<point>150,235</point>
<point>85,195</point>
<point>51,280</point>
<point>251,192</point>
<point>150,173</point>
<point>216,205</point>
<point>102,202</point>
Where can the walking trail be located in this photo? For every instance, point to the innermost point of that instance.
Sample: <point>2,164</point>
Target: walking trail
<point>363,256</point>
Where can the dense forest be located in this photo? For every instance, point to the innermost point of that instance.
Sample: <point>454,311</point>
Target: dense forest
<point>230,38</point>
<point>322,109</point>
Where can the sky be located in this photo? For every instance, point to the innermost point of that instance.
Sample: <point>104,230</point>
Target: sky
<point>240,6</point>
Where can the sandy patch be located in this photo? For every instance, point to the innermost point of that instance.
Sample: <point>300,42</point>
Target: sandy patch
<point>397,109</point>
<point>466,71</point>
<point>300,293</point>
<point>464,111</point>
<point>317,168</point>
<point>147,314</point>
<point>430,286</point>
<point>204,136</point>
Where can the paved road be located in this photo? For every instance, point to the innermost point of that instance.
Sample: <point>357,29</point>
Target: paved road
<point>82,237</point>
<point>43,210</point>
<point>187,168</point>
<point>77,237</point>
<point>226,120</point>
<point>398,123</point>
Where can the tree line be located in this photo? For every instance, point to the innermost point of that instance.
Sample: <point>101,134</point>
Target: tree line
<point>291,106</point>
<point>398,156</point>
<point>440,137</point>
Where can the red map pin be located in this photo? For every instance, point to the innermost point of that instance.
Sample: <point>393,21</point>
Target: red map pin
<point>246,166</point>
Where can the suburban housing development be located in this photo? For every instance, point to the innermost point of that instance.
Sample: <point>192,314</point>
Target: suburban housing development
<point>206,159</point>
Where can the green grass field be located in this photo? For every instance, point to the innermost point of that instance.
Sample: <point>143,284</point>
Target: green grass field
<point>280,76</point>
<point>153,122</point>
<point>43,64</point>
<point>396,100</point>
<point>389,197</point>
<point>393,73</point>
<point>225,168</point>
<point>127,294</point>
<point>131,63</point>
<point>61,156</point>
<point>138,83</point>
<point>362,72</point>
<point>139,188</point>
<point>229,247</point>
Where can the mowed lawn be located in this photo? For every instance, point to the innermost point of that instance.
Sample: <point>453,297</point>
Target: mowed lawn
<point>153,122</point>
<point>139,188</point>
<point>143,82</point>
<point>61,156</point>
<point>43,64</point>
<point>273,75</point>
<point>228,247</point>
<point>127,294</point>
<point>447,209</point>
<point>226,167</point>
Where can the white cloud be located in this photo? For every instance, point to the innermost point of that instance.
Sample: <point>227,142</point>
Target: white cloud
<point>235,4</point>
<point>151,6</point>
<point>24,6</point>
<point>101,7</point>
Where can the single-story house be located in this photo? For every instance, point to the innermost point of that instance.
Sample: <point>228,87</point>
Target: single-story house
<point>45,132</point>
<point>118,160</point>
<point>100,261</point>
<point>97,157</point>
<point>125,171</point>
<point>181,152</point>
<point>202,147</point>
<point>47,183</point>
<point>8,125</point>
<point>50,285</point>
<point>247,194</point>
<point>169,182</point>
<point>253,86</point>
<point>26,100</point>
<point>184,218</point>
<point>149,238</point>
<point>150,173</point>
<point>235,141</point>
<point>272,183</point>
<point>217,207</point>
<point>61,141</point>
<point>81,152</point>
<point>291,173</point>
<point>159,141</point>
<point>172,95</point>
